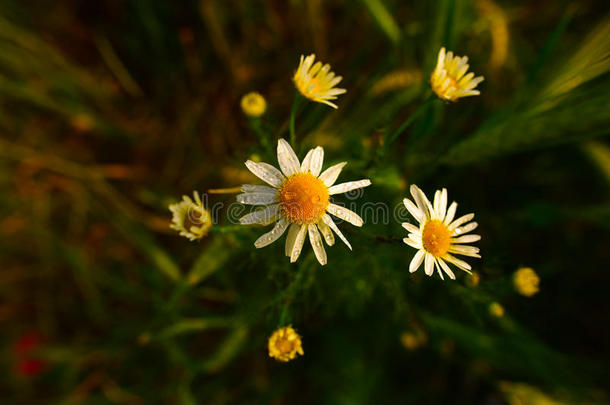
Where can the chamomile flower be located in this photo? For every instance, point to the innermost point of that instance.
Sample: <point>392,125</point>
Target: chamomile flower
<point>438,235</point>
<point>253,104</point>
<point>285,344</point>
<point>449,79</point>
<point>317,82</point>
<point>298,199</point>
<point>190,218</point>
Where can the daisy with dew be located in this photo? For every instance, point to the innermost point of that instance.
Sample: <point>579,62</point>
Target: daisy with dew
<point>285,344</point>
<point>298,199</point>
<point>316,82</point>
<point>190,218</point>
<point>438,235</point>
<point>449,79</point>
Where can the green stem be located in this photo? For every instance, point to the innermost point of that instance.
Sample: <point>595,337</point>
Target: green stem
<point>408,122</point>
<point>262,136</point>
<point>293,113</point>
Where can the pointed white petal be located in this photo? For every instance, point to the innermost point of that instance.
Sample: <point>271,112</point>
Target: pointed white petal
<point>429,264</point>
<point>327,233</point>
<point>256,198</point>
<point>413,210</point>
<point>289,163</point>
<point>466,239</point>
<point>459,263</point>
<point>306,163</point>
<point>316,243</point>
<point>262,217</point>
<point>272,235</point>
<point>460,221</point>
<point>466,228</point>
<point>410,227</point>
<point>446,268</point>
<point>329,221</point>
<point>266,172</point>
<point>252,188</point>
<point>442,206</point>
<point>438,269</point>
<point>349,186</point>
<point>317,159</point>
<point>291,238</point>
<point>465,250</point>
<point>345,214</point>
<point>450,213</point>
<point>298,244</point>
<point>416,261</point>
<point>329,176</point>
<point>412,243</point>
<point>421,200</point>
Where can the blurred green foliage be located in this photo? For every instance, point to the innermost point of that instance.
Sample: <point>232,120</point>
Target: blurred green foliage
<point>111,110</point>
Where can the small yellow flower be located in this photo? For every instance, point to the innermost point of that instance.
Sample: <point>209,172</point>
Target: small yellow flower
<point>285,344</point>
<point>526,281</point>
<point>317,82</point>
<point>413,340</point>
<point>253,104</point>
<point>190,218</point>
<point>496,309</point>
<point>449,79</point>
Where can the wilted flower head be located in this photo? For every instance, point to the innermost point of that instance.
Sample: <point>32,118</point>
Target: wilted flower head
<point>190,218</point>
<point>526,281</point>
<point>449,79</point>
<point>253,104</point>
<point>317,82</point>
<point>285,344</point>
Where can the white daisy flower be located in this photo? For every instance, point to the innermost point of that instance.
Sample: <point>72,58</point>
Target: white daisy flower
<point>438,235</point>
<point>298,199</point>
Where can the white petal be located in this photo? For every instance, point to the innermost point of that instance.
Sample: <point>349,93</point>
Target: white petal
<point>329,176</point>
<point>421,200</point>
<point>289,163</point>
<point>262,217</point>
<point>446,268</point>
<point>266,172</point>
<point>327,233</point>
<point>410,227</point>
<point>413,210</point>
<point>465,250</point>
<point>416,261</point>
<point>345,214</point>
<point>429,264</point>
<point>256,198</point>
<point>349,186</point>
<point>316,243</point>
<point>450,213</point>
<point>298,244</point>
<point>437,202</point>
<point>291,238</point>
<point>313,161</point>
<point>460,221</point>
<point>272,235</point>
<point>466,228</point>
<point>438,268</point>
<point>252,188</point>
<point>412,243</point>
<point>459,263</point>
<point>329,221</point>
<point>466,239</point>
<point>442,206</point>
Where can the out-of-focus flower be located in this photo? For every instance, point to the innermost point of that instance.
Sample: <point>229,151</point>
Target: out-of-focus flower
<point>473,280</point>
<point>317,82</point>
<point>298,199</point>
<point>526,281</point>
<point>253,104</point>
<point>413,340</point>
<point>521,394</point>
<point>496,309</point>
<point>26,364</point>
<point>449,79</point>
<point>285,344</point>
<point>190,218</point>
<point>438,235</point>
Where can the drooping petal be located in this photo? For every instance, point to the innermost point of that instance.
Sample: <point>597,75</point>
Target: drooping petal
<point>345,214</point>
<point>272,235</point>
<point>349,186</point>
<point>316,243</point>
<point>266,172</point>
<point>291,238</point>
<point>429,264</point>
<point>262,217</point>
<point>417,260</point>
<point>329,221</point>
<point>459,263</point>
<point>298,244</point>
<point>329,176</point>
<point>289,163</point>
<point>446,268</point>
<point>327,233</point>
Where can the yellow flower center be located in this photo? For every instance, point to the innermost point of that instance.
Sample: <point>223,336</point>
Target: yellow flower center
<point>303,198</point>
<point>436,238</point>
<point>285,346</point>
